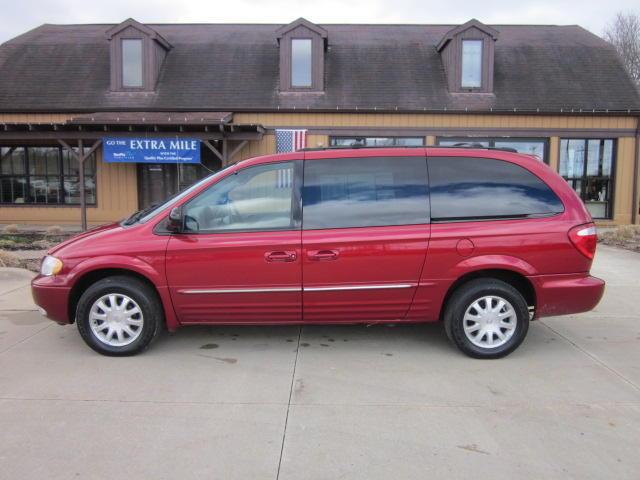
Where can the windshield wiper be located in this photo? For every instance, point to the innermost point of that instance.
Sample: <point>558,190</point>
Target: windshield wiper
<point>139,214</point>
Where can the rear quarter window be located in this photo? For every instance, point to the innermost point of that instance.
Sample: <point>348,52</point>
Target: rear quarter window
<point>482,188</point>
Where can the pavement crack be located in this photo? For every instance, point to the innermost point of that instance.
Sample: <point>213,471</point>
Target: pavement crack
<point>14,289</point>
<point>286,418</point>
<point>25,339</point>
<point>594,358</point>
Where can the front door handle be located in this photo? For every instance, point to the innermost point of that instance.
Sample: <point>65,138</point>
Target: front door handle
<point>323,255</point>
<point>280,256</point>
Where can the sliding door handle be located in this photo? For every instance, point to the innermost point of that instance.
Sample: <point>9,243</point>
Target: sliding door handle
<point>323,255</point>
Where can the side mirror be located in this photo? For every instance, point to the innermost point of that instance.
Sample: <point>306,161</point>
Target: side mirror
<point>176,220</point>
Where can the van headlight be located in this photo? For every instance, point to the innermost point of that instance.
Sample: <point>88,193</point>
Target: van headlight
<point>50,266</point>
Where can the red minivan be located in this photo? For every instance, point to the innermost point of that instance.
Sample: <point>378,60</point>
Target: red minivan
<point>484,240</point>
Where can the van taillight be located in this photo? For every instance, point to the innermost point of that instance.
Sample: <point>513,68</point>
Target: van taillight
<point>584,238</point>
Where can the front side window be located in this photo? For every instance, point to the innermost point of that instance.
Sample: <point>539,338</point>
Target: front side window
<point>132,63</point>
<point>256,198</point>
<point>536,147</point>
<point>471,63</point>
<point>481,188</point>
<point>44,175</point>
<point>365,192</point>
<point>587,165</point>
<point>301,54</point>
<point>376,141</point>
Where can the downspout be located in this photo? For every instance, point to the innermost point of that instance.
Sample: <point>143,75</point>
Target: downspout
<point>636,172</point>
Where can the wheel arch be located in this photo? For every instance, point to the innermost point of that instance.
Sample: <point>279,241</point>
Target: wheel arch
<point>92,276</point>
<point>516,279</point>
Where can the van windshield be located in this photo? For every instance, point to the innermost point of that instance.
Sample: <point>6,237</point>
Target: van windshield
<point>151,211</point>
<point>147,215</point>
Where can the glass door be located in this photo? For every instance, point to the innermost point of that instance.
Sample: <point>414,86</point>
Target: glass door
<point>588,165</point>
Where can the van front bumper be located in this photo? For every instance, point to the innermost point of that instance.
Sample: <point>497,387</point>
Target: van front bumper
<point>566,294</point>
<point>53,300</point>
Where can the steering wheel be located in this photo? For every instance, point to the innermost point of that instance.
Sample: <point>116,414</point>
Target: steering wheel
<point>190,222</point>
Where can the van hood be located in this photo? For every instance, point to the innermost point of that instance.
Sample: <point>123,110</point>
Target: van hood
<point>94,232</point>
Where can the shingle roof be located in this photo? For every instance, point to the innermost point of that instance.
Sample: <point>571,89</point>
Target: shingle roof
<point>228,67</point>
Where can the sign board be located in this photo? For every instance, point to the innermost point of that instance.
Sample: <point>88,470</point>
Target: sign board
<point>150,150</point>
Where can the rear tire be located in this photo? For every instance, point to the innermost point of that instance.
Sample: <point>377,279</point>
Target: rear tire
<point>119,316</point>
<point>486,318</point>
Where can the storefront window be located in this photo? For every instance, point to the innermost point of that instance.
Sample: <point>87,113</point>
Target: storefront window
<point>44,175</point>
<point>587,165</point>
<point>376,141</point>
<point>536,147</point>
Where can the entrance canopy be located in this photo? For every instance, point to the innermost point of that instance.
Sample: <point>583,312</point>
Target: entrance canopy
<point>215,130</point>
<point>201,125</point>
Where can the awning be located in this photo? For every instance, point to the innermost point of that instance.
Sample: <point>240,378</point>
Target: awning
<point>200,125</point>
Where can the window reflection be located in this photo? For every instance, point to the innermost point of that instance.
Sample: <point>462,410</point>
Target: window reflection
<point>376,141</point>
<point>44,175</point>
<point>467,188</point>
<point>359,192</point>
<point>301,55</point>
<point>256,198</point>
<point>471,63</point>
<point>586,164</point>
<point>536,147</point>
<point>132,63</point>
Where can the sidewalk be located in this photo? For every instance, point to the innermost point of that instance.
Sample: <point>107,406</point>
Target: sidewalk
<point>325,402</point>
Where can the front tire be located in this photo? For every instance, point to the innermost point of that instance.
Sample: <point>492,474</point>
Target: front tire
<point>119,316</point>
<point>486,318</point>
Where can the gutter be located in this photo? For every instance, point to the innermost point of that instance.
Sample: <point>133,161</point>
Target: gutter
<point>337,109</point>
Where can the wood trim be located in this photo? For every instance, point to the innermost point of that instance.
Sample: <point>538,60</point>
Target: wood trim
<point>75,135</point>
<point>237,149</point>
<point>215,151</point>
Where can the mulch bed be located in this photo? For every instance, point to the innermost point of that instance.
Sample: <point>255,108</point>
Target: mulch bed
<point>30,240</point>
<point>627,237</point>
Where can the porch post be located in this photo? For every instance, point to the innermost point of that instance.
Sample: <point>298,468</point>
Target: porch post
<point>81,156</point>
<point>83,201</point>
<point>225,152</point>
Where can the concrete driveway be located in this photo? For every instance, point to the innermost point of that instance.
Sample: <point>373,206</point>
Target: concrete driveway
<point>325,402</point>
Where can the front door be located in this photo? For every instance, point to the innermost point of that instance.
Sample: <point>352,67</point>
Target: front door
<point>239,259</point>
<point>365,236</point>
<point>156,182</point>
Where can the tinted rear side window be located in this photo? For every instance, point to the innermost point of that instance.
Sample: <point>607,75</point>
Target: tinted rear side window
<point>482,188</point>
<point>365,192</point>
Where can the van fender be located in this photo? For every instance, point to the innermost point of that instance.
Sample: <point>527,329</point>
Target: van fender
<point>123,262</point>
<point>136,265</point>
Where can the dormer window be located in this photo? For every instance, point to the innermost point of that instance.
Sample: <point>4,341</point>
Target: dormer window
<point>137,55</point>
<point>301,65</point>
<point>132,63</point>
<point>471,63</point>
<point>302,49</point>
<point>467,54</point>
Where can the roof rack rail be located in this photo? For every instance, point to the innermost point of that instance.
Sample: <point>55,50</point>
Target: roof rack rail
<point>478,145</point>
<point>357,146</point>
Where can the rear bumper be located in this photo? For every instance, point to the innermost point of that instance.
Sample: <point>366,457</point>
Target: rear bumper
<point>565,294</point>
<point>53,300</point>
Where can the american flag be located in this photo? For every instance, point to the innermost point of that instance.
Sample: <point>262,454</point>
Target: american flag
<point>288,141</point>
